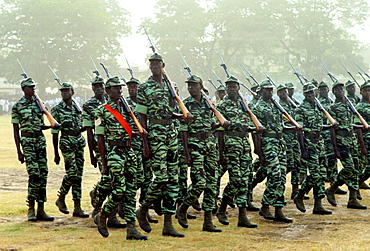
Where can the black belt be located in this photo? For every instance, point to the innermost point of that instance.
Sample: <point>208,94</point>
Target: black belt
<point>312,135</point>
<point>31,134</point>
<point>200,135</point>
<point>160,121</point>
<point>236,134</point>
<point>343,133</point>
<point>70,133</point>
<point>272,135</point>
<point>120,143</point>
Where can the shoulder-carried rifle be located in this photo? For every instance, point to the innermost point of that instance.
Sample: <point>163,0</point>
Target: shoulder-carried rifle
<point>87,74</point>
<point>96,69</point>
<point>127,107</point>
<point>359,70</point>
<point>120,74</point>
<point>129,68</point>
<point>349,73</point>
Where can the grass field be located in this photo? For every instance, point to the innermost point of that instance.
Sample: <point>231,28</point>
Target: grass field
<point>345,229</point>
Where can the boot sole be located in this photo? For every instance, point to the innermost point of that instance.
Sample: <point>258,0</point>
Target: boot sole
<point>322,213</point>
<point>105,235</point>
<point>171,235</point>
<point>354,207</point>
<point>303,210</point>
<point>212,230</point>
<point>248,226</point>
<point>267,217</point>
<point>283,220</point>
<point>117,225</point>
<point>81,215</point>
<point>144,238</point>
<point>32,219</point>
<point>253,209</point>
<point>334,204</point>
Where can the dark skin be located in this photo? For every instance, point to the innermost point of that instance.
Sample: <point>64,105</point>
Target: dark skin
<point>283,95</point>
<point>351,90</point>
<point>98,90</point>
<point>132,90</point>
<point>291,92</point>
<point>221,94</point>
<point>323,92</point>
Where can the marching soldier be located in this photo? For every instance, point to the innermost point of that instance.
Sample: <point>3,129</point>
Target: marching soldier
<point>72,145</point>
<point>291,89</point>
<point>28,123</point>
<point>220,93</point>
<point>351,92</point>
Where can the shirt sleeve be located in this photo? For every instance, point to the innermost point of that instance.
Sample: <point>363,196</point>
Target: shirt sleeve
<point>15,115</point>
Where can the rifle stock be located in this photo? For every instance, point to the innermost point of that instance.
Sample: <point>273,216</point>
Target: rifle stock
<point>256,122</point>
<point>129,111</point>
<point>52,121</point>
<point>224,122</point>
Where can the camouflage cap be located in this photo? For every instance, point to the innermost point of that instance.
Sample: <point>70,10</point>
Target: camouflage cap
<point>258,89</point>
<point>221,88</point>
<point>282,87</point>
<point>133,81</point>
<point>194,79</point>
<point>364,85</point>
<point>255,85</point>
<point>309,87</point>
<point>65,86</point>
<point>232,79</point>
<point>97,80</point>
<point>113,82</point>
<point>27,82</point>
<point>266,84</point>
<point>323,84</point>
<point>314,82</point>
<point>290,85</point>
<point>155,56</point>
<point>337,83</point>
<point>349,83</point>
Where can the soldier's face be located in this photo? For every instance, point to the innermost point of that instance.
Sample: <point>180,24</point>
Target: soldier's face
<point>132,89</point>
<point>351,89</point>
<point>267,93</point>
<point>323,91</point>
<point>29,90</point>
<point>98,89</point>
<point>365,92</point>
<point>232,89</point>
<point>114,92</point>
<point>338,91</point>
<point>66,93</point>
<point>221,94</point>
<point>291,92</point>
<point>309,96</point>
<point>283,94</point>
<point>156,66</point>
<point>194,89</point>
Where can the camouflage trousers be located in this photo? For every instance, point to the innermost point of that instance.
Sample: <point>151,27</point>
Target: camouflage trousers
<point>147,179</point>
<point>122,164</point>
<point>349,174</point>
<point>274,152</point>
<point>331,162</point>
<point>365,172</point>
<point>317,172</point>
<point>293,156</point>
<point>34,150</point>
<point>183,173</point>
<point>164,165</point>
<point>239,162</point>
<point>72,148</point>
<point>203,172</point>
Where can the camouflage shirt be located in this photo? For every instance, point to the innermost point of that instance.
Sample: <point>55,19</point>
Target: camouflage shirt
<point>28,115</point>
<point>136,140</point>
<point>343,115</point>
<point>269,116</point>
<point>325,102</point>
<point>68,117</point>
<point>89,109</point>
<point>289,109</point>
<point>310,117</point>
<point>354,100</point>
<point>253,102</point>
<point>363,108</point>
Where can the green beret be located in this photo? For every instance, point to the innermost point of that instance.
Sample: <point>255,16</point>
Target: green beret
<point>282,87</point>
<point>232,79</point>
<point>113,82</point>
<point>349,83</point>
<point>65,86</point>
<point>309,87</point>
<point>366,84</point>
<point>27,82</point>
<point>194,79</point>
<point>314,82</point>
<point>255,85</point>
<point>323,84</point>
<point>134,81</point>
<point>290,86</point>
<point>337,83</point>
<point>266,84</point>
<point>221,88</point>
<point>155,56</point>
<point>97,80</point>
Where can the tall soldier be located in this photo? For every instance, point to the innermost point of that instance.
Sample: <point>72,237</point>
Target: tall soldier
<point>351,92</point>
<point>27,117</point>
<point>201,155</point>
<point>346,148</point>
<point>235,154</point>
<point>155,106</point>
<point>273,152</point>
<point>118,158</point>
<point>310,117</point>
<point>72,145</point>
<point>103,187</point>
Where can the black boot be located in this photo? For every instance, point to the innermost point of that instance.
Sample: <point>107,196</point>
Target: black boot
<point>132,233</point>
<point>250,206</point>
<point>182,215</point>
<point>150,219</point>
<point>97,209</point>
<point>41,215</point>
<point>61,203</point>
<point>157,206</point>
<point>330,194</point>
<point>191,216</point>
<point>353,202</point>
<point>208,224</point>
<point>168,229</point>
<point>243,220</point>
<point>93,194</point>
<point>279,215</point>
<point>141,215</point>
<point>265,212</point>
<point>101,220</point>
<point>363,185</point>
<point>319,209</point>
<point>294,191</point>
<point>298,200</point>
<point>221,214</point>
<point>358,195</point>
<point>196,205</point>
<point>78,212</point>
<point>31,211</point>
<point>113,222</point>
<point>340,191</point>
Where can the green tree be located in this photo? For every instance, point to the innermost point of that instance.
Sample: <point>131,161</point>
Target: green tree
<point>61,34</point>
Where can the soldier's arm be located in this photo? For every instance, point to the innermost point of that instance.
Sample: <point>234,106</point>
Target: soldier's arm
<point>91,144</point>
<point>184,139</point>
<point>17,142</point>
<point>146,149</point>
<point>101,148</point>
<point>361,141</point>
<point>55,146</point>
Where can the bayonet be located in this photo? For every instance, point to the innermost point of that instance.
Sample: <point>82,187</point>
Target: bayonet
<point>87,73</point>
<point>217,78</point>
<point>129,68</point>
<point>223,64</point>
<point>24,74</point>
<point>106,70</point>
<point>150,41</point>
<point>96,68</point>
<point>122,78</point>
<point>56,77</point>
<point>360,69</point>
<point>349,73</point>
<point>250,74</point>
<point>187,68</point>
<point>209,79</point>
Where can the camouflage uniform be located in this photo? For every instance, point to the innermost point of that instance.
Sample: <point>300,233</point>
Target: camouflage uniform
<point>30,119</point>
<point>72,145</point>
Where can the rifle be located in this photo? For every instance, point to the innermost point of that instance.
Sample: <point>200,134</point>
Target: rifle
<point>127,107</point>
<point>168,82</point>
<point>60,83</point>
<point>87,73</point>
<point>358,68</point>
<point>245,107</point>
<point>129,68</point>
<point>209,79</point>
<point>349,73</point>
<point>217,78</point>
<point>122,78</point>
<point>250,74</point>
<point>350,105</point>
<point>224,123</point>
<point>321,108</point>
<point>40,104</point>
<point>96,69</point>
<point>293,104</point>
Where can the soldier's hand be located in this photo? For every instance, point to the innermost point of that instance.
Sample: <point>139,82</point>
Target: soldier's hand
<point>93,160</point>
<point>337,154</point>
<point>21,157</point>
<point>304,155</point>
<point>364,150</point>
<point>146,151</point>
<point>188,118</point>
<point>187,159</point>
<point>104,170</point>
<point>57,159</point>
<point>262,160</point>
